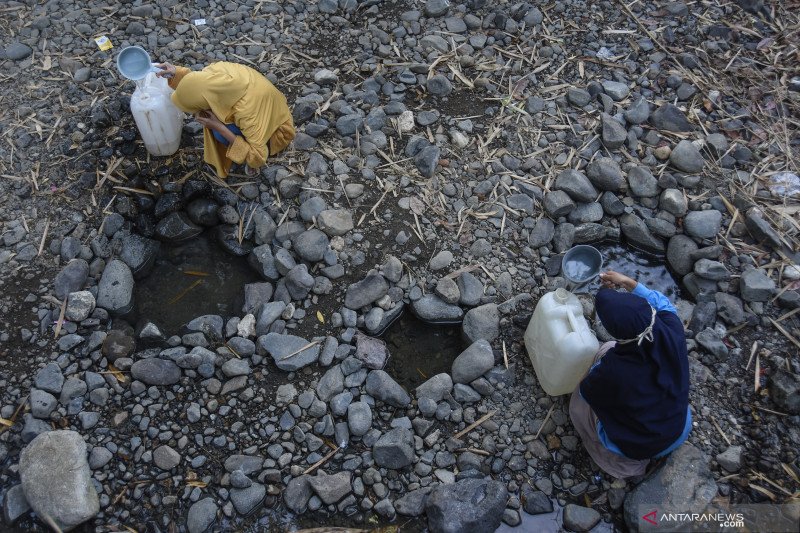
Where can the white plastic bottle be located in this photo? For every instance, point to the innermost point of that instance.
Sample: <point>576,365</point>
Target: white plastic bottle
<point>560,342</point>
<point>160,123</point>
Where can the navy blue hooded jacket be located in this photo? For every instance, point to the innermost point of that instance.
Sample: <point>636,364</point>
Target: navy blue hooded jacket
<point>640,393</point>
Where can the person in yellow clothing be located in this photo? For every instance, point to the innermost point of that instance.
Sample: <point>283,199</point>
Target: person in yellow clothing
<point>245,118</point>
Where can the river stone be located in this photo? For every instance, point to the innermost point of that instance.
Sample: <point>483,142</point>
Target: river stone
<point>331,489</point>
<point>359,418</point>
<point>642,182</point>
<point>638,112</point>
<point>311,245</point>
<point>431,308</point>
<point>576,185</point>
<point>703,224</point>
<point>209,325</point>
<point>470,289</point>
<point>281,348</point>
<point>79,306</point>
<point>42,404</point>
<point>413,502</point>
<point>394,449</point>
<point>262,260</point>
<point>298,492</point>
<point>330,384</point>
<point>366,291</point>
<point>49,379</point>
<point>756,286</point>
<point>371,351</point>
<point>481,323</point>
<point>618,91</point>
<point>15,504</point>
<point>436,388</point>
<point>166,458</point>
<point>686,157</point>
<point>473,362</point>
<point>71,278</point>
<point>558,204</point>
<point>536,502</point>
<point>203,212</point>
<point>684,482</point>
<point>155,371</point>
<point>668,117</point>
<point>605,174</point>
<point>638,234</point>
<point>785,391</point>
<point>579,518</point>
<point>614,134</point>
<point>139,253</point>
<point>201,515</point>
<point>56,479</point>
<point>335,221</point>
<point>380,385</point>
<point>177,227</point>
<point>467,506</point>
<point>679,251</point>
<point>673,201</point>
<point>246,500</point>
<point>17,51</point>
<point>542,233</point>
<point>115,290</point>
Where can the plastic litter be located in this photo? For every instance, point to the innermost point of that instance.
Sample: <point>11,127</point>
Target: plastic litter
<point>104,43</point>
<point>784,184</point>
<point>160,123</point>
<point>199,22</point>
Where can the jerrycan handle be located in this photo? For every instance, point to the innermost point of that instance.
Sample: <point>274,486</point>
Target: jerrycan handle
<point>572,321</point>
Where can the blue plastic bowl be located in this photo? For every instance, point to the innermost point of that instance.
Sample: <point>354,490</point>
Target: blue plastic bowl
<point>581,263</point>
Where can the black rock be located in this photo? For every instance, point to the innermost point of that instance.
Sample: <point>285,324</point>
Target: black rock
<point>177,227</point>
<point>467,506</point>
<point>166,204</point>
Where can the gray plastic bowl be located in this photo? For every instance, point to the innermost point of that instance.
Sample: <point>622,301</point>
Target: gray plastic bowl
<point>581,263</point>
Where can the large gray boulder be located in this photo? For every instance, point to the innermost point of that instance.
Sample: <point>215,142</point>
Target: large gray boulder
<point>684,482</point>
<point>468,506</point>
<point>56,479</point>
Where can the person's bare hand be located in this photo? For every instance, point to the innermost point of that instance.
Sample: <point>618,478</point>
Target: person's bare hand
<point>612,280</point>
<point>167,70</point>
<point>209,120</point>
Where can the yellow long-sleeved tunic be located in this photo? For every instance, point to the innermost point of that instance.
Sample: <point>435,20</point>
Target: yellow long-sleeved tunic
<point>238,95</point>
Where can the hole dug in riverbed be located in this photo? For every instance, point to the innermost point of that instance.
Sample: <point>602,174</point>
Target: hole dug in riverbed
<point>191,279</point>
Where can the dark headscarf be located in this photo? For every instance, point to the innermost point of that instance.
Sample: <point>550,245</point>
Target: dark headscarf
<point>640,390</point>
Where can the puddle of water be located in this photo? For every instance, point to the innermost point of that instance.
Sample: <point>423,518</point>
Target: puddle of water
<point>419,350</point>
<point>647,269</point>
<point>177,291</point>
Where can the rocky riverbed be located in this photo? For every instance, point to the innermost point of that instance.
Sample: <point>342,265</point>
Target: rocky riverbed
<point>447,154</point>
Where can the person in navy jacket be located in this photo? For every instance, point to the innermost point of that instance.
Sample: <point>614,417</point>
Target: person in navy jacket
<point>633,405</point>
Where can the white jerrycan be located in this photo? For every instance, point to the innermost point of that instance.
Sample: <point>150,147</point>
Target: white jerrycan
<point>160,123</point>
<point>559,342</point>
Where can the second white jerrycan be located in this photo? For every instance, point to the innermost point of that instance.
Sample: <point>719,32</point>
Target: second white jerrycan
<point>559,342</point>
<point>160,123</point>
